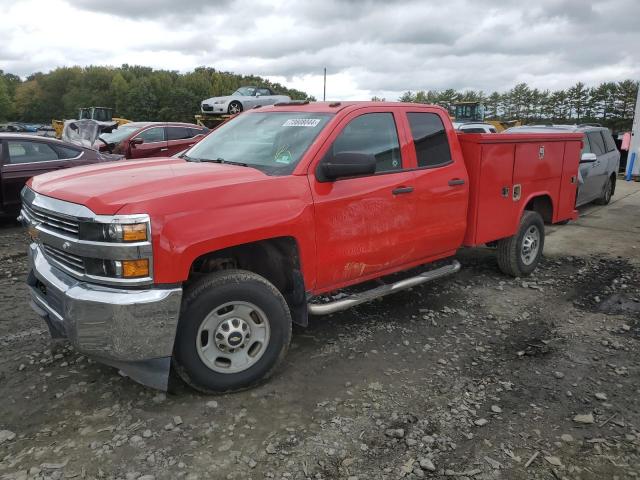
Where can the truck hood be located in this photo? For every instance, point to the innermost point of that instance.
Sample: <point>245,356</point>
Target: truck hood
<point>106,188</point>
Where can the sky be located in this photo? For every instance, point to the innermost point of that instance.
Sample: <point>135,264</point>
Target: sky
<point>369,47</point>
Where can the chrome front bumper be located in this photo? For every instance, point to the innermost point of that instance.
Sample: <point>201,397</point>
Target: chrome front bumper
<point>131,329</point>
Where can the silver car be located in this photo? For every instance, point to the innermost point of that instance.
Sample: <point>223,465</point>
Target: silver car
<point>598,164</point>
<point>242,99</point>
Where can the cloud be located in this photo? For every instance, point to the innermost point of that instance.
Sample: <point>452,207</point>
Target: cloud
<point>369,47</point>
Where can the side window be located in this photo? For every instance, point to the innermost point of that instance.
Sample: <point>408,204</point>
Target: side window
<point>597,143</point>
<point>609,143</point>
<point>177,133</point>
<point>30,152</point>
<point>151,135</point>
<point>66,152</point>
<point>430,139</point>
<point>264,91</point>
<point>193,132</point>
<point>464,130</point>
<point>375,134</point>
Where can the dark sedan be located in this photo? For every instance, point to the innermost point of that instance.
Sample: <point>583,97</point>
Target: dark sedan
<point>24,156</point>
<point>151,139</point>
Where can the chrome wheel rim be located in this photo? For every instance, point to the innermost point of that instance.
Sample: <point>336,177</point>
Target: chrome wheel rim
<point>530,245</point>
<point>233,337</point>
<point>234,108</point>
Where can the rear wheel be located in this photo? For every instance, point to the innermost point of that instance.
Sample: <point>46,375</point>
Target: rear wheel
<point>607,193</point>
<point>520,254</point>
<point>234,330</point>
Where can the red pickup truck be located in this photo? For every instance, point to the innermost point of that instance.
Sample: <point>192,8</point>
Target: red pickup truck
<point>203,262</point>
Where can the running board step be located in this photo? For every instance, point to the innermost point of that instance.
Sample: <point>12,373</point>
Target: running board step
<point>358,298</point>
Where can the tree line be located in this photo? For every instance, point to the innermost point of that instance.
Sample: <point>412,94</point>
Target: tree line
<point>134,92</point>
<point>611,104</point>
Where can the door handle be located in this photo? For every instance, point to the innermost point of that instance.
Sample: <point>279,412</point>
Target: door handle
<point>401,190</point>
<point>456,181</point>
<point>164,149</point>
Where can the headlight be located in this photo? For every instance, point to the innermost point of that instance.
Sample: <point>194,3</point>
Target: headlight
<point>219,102</point>
<point>114,232</point>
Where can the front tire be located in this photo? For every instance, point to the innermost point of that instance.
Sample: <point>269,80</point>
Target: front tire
<point>520,254</point>
<point>234,331</point>
<point>234,107</point>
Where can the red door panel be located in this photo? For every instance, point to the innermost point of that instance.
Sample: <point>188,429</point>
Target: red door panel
<point>569,182</point>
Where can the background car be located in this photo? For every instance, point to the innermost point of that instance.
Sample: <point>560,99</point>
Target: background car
<point>242,99</point>
<point>475,127</point>
<point>151,139</point>
<point>23,156</point>
<point>599,162</point>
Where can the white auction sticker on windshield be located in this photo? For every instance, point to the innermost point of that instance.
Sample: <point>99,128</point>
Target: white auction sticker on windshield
<point>301,122</point>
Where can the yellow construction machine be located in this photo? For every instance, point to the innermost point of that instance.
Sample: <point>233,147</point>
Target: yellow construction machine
<point>466,112</point>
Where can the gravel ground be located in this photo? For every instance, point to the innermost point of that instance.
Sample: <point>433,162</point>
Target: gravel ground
<point>478,376</point>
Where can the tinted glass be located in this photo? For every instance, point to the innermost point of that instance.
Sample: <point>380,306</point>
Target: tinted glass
<point>67,152</point>
<point>152,135</point>
<point>177,133</point>
<point>29,152</point>
<point>597,143</point>
<point>472,130</point>
<point>375,134</point>
<point>196,131</point>
<point>430,139</point>
<point>609,143</point>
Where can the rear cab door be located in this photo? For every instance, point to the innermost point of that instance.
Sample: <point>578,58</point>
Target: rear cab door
<point>154,143</point>
<point>21,160</point>
<point>440,182</point>
<point>365,226</point>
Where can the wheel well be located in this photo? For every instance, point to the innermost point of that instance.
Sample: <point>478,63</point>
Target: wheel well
<point>542,205</point>
<point>276,259</point>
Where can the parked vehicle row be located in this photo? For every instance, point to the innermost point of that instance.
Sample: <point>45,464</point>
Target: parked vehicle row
<point>151,139</point>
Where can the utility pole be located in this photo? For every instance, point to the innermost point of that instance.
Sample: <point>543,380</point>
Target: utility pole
<point>633,159</point>
<point>324,92</point>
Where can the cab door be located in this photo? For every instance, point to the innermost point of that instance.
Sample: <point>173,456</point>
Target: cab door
<point>150,142</point>
<point>364,225</point>
<point>441,185</point>
<point>178,139</point>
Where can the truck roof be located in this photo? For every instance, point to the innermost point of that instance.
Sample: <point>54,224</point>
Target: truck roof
<point>333,107</point>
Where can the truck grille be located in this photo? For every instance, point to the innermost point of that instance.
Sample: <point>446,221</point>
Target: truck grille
<point>70,261</point>
<point>52,221</point>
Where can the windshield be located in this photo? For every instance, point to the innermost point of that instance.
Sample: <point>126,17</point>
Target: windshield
<point>118,134</point>
<point>245,91</point>
<point>271,142</point>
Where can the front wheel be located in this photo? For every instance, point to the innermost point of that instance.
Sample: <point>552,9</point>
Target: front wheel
<point>520,254</point>
<point>234,107</point>
<point>234,330</point>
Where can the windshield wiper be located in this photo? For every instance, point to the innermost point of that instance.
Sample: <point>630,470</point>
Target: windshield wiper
<point>222,160</point>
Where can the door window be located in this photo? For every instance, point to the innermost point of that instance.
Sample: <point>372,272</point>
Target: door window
<point>67,152</point>
<point>609,143</point>
<point>597,143</point>
<point>374,134</point>
<point>30,152</point>
<point>430,139</point>
<point>193,132</point>
<point>264,91</point>
<point>177,133</point>
<point>151,135</point>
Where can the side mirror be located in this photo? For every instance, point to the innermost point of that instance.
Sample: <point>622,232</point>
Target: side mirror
<point>588,158</point>
<point>348,164</point>
<point>136,141</point>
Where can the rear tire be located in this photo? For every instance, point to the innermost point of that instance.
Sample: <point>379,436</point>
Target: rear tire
<point>520,254</point>
<point>607,193</point>
<point>234,331</point>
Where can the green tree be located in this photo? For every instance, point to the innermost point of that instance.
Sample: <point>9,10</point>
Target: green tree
<point>6,104</point>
